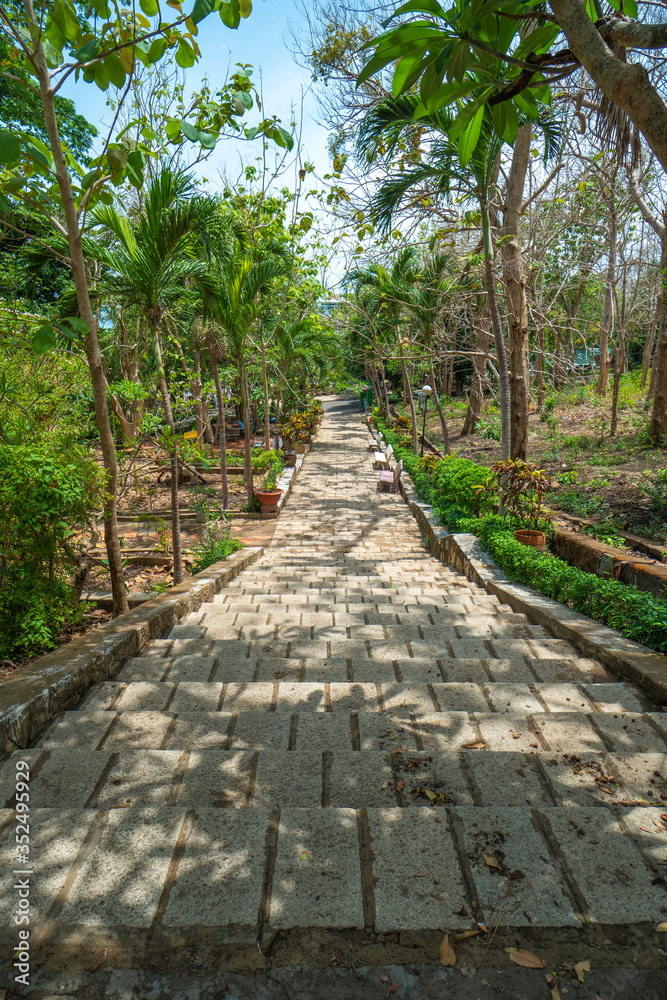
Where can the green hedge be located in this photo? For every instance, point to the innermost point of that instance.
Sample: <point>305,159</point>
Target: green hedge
<point>623,607</point>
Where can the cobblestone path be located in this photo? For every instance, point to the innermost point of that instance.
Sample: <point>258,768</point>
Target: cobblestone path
<point>351,736</point>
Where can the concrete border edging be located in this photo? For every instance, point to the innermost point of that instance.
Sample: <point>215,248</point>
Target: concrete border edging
<point>32,697</point>
<point>630,660</point>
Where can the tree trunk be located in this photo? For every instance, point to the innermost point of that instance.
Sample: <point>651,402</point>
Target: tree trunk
<point>650,340</point>
<point>196,391</point>
<point>540,368</point>
<point>658,425</point>
<point>517,302</point>
<point>605,325</point>
<point>247,439</point>
<point>265,384</point>
<point>92,347</point>
<point>221,425</point>
<point>619,362</point>
<point>443,422</point>
<point>476,397</point>
<point>407,388</point>
<point>501,354</point>
<point>173,459</point>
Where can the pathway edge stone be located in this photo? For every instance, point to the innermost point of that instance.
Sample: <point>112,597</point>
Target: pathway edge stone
<point>31,698</point>
<point>632,660</point>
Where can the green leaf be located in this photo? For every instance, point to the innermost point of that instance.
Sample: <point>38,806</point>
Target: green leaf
<point>470,137</point>
<point>185,57</point>
<point>459,62</point>
<point>230,14</point>
<point>630,9</point>
<point>149,7</point>
<point>537,41</point>
<point>77,324</point>
<point>173,129</point>
<point>115,70</point>
<point>408,71</point>
<point>156,51</point>
<point>418,7</point>
<point>208,140</point>
<point>36,150</point>
<point>44,339</point>
<point>117,158</point>
<point>202,9</point>
<point>66,21</point>
<point>100,75</point>
<point>189,131</point>
<point>512,126</point>
<point>10,149</point>
<point>245,8</point>
<point>136,162</point>
<point>88,51</point>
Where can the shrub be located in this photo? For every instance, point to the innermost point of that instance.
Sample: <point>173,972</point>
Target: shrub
<point>213,548</point>
<point>489,429</point>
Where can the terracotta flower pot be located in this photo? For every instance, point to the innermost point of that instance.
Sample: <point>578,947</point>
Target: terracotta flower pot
<point>290,461</point>
<point>269,500</point>
<point>534,539</point>
<point>300,449</point>
<point>308,439</point>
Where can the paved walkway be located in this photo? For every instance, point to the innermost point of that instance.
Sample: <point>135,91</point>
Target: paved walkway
<point>356,747</point>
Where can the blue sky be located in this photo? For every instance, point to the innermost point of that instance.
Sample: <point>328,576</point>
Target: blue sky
<point>262,40</point>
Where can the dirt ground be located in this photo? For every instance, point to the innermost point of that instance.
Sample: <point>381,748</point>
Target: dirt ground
<point>593,475</point>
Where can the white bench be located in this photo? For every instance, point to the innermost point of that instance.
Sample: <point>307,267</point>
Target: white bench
<point>383,458</point>
<point>391,479</point>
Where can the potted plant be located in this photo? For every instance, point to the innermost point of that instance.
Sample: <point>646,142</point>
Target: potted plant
<point>522,487</point>
<point>269,493</point>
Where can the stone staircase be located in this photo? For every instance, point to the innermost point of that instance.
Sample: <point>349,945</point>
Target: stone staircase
<point>352,738</point>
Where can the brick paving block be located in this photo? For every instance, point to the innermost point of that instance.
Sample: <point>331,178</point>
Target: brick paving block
<point>460,697</point>
<point>241,697</point>
<point>197,696</point>
<point>366,671</point>
<point>56,837</point>
<point>578,670</point>
<point>384,731</point>
<point>357,780</point>
<point>507,778</point>
<point>644,777</point>
<point>144,696</point>
<point>513,698</point>
<point>145,668</point>
<point>419,671</point>
<point>528,888</point>
<point>407,698</point>
<point>581,778</point>
<point>100,698</point>
<point>466,649</point>
<point>139,779</point>
<point>155,650</point>
<point>120,881</point>
<point>191,668</point>
<point>215,778</point>
<point>190,647</point>
<point>190,631</point>
<point>563,697</point>
<point>617,698</point>
<point>608,867</point>
<point>629,732</point>
<point>509,732</point>
<point>388,651</point>
<point>73,729</point>
<point>288,778</point>
<point>272,649</point>
<point>439,771</point>
<point>65,780</point>
<point>569,733</point>
<point>272,669</point>
<point>317,670</point>
<point>200,731</point>
<point>464,670</point>
<point>353,696</point>
<point>505,671</point>
<point>261,730</point>
<point>230,650</point>
<point>434,646</point>
<point>444,730</point>
<point>317,876</point>
<point>138,731</point>
<point>418,883</point>
<point>648,829</point>
<point>323,731</point>
<point>300,696</point>
<point>219,880</point>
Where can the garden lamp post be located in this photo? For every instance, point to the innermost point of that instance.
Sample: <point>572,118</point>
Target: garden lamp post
<point>424,395</point>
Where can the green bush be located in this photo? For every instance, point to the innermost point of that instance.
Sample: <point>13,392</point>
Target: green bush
<point>489,429</point>
<point>46,492</point>
<point>212,548</point>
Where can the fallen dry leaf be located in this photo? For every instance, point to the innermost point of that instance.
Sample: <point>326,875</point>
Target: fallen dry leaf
<point>430,795</point>
<point>473,746</point>
<point>385,979</point>
<point>554,988</point>
<point>660,826</point>
<point>473,932</point>
<point>400,785</point>
<point>662,928</point>
<point>526,959</point>
<point>582,967</point>
<point>446,952</point>
<point>492,862</point>
<point>392,989</point>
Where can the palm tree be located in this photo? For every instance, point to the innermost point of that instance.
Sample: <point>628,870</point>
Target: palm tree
<point>147,263</point>
<point>235,302</point>
<point>294,344</point>
<point>387,124</point>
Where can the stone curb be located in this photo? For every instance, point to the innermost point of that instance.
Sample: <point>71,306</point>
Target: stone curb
<point>31,698</point>
<point>630,660</point>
